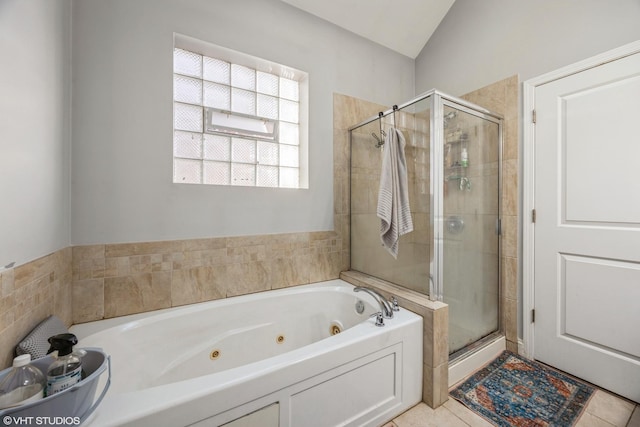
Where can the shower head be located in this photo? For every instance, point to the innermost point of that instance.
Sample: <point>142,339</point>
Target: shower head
<point>449,116</point>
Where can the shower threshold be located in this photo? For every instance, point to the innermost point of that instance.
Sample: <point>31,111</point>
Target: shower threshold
<point>466,361</point>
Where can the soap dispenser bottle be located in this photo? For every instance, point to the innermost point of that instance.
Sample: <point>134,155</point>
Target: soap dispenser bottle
<point>66,371</point>
<point>23,384</point>
<point>464,158</point>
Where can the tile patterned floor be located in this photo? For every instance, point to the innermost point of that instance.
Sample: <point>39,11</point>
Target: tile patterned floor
<point>603,410</point>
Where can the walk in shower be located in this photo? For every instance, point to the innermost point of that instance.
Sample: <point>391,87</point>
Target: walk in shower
<point>453,156</point>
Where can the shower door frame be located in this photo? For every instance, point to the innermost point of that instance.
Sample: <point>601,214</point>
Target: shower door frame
<point>437,162</point>
<point>441,101</point>
<point>436,203</point>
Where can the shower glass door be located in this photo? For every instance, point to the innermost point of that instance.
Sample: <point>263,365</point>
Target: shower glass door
<point>470,225</point>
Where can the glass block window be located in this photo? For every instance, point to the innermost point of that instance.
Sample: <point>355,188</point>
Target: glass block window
<point>234,124</point>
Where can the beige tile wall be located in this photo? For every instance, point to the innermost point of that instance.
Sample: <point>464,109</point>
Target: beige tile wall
<point>409,269</point>
<point>87,283</point>
<point>31,292</point>
<point>119,279</point>
<point>347,111</point>
<point>502,97</point>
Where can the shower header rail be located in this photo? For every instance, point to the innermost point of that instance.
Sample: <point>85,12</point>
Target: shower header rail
<point>472,107</point>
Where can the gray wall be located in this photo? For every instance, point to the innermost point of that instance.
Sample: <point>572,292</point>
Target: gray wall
<point>122,188</point>
<point>34,128</point>
<point>481,42</point>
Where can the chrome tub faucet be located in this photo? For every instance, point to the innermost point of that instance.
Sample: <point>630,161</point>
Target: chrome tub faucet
<point>386,308</point>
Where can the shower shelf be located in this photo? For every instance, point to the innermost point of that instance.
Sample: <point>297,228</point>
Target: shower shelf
<point>463,138</point>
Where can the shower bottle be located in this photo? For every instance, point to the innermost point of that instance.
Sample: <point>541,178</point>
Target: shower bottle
<point>464,158</point>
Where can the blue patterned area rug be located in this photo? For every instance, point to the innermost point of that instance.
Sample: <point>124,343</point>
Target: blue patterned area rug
<point>513,391</point>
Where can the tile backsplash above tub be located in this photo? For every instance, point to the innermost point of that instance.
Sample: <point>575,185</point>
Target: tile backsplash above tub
<point>118,279</point>
<point>31,292</point>
<point>85,283</point>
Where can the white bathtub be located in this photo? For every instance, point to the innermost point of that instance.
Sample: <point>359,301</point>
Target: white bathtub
<point>276,360</point>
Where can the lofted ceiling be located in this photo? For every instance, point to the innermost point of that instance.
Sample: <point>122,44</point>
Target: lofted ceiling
<point>401,25</point>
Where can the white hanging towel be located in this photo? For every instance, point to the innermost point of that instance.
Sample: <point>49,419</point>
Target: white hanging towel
<point>393,198</point>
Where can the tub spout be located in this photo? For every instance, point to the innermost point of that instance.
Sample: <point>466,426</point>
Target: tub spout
<point>385,306</point>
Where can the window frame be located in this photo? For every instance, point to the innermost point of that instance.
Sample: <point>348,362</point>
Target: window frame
<point>257,65</point>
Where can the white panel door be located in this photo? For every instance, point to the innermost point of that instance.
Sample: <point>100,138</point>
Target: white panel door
<point>587,230</point>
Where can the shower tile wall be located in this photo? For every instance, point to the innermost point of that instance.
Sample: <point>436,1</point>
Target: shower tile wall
<point>502,97</point>
<point>346,112</point>
<point>411,269</point>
